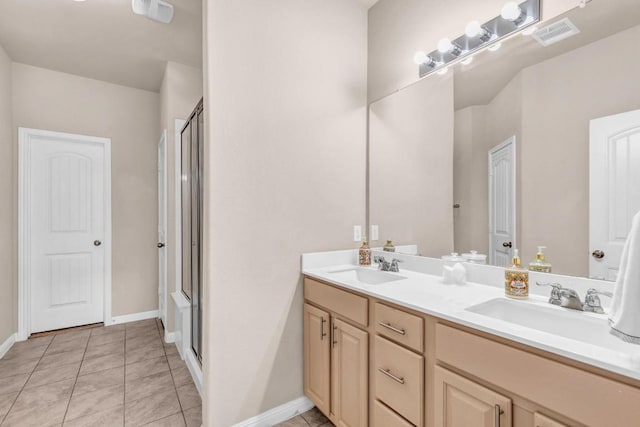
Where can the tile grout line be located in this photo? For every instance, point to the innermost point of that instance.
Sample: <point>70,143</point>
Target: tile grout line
<point>164,350</point>
<point>77,375</point>
<point>4,417</point>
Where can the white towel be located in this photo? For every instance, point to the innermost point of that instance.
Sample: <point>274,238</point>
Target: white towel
<point>624,316</point>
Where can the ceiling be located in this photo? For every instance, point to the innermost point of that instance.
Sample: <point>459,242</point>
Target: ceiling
<point>479,82</point>
<point>101,39</point>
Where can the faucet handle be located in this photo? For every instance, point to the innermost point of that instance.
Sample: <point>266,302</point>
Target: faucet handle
<point>555,297</point>
<point>592,301</point>
<point>593,291</point>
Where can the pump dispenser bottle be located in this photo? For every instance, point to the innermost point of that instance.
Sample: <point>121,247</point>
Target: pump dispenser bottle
<point>516,279</point>
<point>540,264</point>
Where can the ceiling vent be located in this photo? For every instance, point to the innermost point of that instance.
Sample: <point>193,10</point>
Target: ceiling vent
<point>157,10</point>
<point>556,32</point>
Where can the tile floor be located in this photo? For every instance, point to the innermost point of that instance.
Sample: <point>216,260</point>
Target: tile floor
<point>121,375</point>
<point>311,418</point>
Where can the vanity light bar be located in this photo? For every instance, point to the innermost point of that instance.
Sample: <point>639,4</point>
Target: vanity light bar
<point>490,33</point>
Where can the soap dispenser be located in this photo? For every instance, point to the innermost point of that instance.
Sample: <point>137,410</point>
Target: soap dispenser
<point>516,279</point>
<point>364,254</point>
<point>389,247</point>
<point>540,264</point>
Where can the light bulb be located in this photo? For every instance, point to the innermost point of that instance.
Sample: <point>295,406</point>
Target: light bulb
<point>445,45</point>
<point>443,71</point>
<point>529,30</point>
<point>495,47</point>
<point>511,11</point>
<point>420,58</point>
<point>466,61</point>
<point>473,29</point>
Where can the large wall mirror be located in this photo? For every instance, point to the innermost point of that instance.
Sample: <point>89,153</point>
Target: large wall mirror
<point>536,144</point>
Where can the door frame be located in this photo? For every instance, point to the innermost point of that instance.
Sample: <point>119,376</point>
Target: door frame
<point>511,141</point>
<point>24,233</point>
<point>178,125</point>
<point>162,145</point>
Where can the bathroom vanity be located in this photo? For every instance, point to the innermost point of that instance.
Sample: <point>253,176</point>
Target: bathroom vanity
<point>404,349</point>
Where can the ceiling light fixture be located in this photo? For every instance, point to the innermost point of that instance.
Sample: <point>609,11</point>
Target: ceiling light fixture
<point>446,46</point>
<point>514,17</point>
<point>443,71</point>
<point>511,11</point>
<point>474,30</point>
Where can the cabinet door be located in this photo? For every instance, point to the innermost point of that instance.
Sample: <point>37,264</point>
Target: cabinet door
<point>317,353</point>
<point>350,375</point>
<point>463,403</point>
<point>540,420</point>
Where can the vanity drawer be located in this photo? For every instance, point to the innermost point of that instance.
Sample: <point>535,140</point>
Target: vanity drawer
<point>399,379</point>
<point>385,417</point>
<point>348,305</point>
<point>399,326</point>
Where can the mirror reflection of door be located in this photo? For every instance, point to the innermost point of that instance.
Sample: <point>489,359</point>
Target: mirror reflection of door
<point>502,205</point>
<point>614,189</point>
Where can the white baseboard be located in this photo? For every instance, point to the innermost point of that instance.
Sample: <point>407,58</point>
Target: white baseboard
<point>6,345</point>
<point>134,317</point>
<point>279,414</point>
<point>169,337</point>
<point>195,370</point>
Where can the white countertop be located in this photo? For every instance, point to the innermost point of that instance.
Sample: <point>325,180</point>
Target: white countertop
<point>426,293</point>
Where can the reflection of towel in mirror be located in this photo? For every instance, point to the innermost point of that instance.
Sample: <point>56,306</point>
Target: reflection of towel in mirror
<point>624,315</point>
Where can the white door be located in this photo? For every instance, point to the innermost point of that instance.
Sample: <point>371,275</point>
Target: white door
<point>614,189</point>
<point>162,227</point>
<point>502,203</point>
<point>67,214</point>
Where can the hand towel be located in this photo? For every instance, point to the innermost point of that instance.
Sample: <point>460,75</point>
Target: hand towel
<point>624,317</point>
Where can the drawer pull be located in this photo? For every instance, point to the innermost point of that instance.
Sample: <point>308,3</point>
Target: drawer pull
<point>390,375</point>
<point>497,411</point>
<point>393,328</point>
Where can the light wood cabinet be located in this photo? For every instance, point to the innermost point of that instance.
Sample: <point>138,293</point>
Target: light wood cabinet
<point>336,354</point>
<point>385,417</point>
<point>460,402</point>
<point>540,420</point>
<point>350,375</point>
<point>399,376</point>
<point>317,357</point>
<point>428,372</point>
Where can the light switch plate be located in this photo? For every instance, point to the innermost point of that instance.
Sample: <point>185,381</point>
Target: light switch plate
<point>357,233</point>
<point>374,233</point>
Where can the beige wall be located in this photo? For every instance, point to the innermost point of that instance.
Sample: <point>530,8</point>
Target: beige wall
<point>8,289</point>
<point>397,29</point>
<point>411,166</point>
<point>50,100</point>
<point>285,94</point>
<point>180,92</point>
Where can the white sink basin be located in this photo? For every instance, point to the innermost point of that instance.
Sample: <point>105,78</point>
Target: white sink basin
<point>367,276</point>
<point>577,325</point>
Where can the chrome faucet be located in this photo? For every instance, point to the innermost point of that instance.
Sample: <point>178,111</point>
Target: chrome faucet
<point>384,265</point>
<point>592,301</point>
<point>568,298</point>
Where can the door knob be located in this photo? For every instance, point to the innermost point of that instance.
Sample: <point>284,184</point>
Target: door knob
<point>161,245</point>
<point>598,254</point>
<point>97,243</point>
<point>507,244</point>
